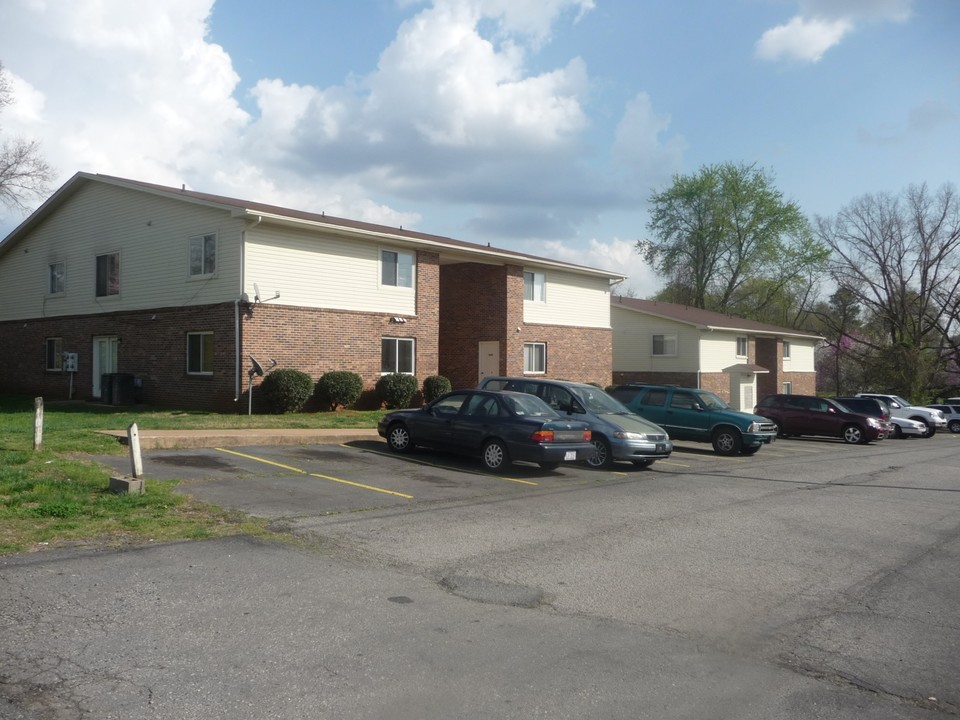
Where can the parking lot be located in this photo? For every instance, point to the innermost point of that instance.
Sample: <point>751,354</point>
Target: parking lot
<point>812,580</point>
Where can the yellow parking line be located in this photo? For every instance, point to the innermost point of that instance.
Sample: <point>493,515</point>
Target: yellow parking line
<point>317,475</point>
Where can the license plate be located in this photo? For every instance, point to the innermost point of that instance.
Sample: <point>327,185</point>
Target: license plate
<point>570,455</point>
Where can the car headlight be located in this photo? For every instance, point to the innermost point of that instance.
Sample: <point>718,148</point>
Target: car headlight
<point>754,427</point>
<point>624,435</point>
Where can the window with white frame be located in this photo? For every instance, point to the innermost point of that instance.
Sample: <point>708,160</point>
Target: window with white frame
<point>397,355</point>
<point>743,346</point>
<point>203,255</point>
<point>108,274</point>
<point>200,353</point>
<point>396,268</point>
<point>786,349</point>
<point>788,388</point>
<point>535,358</point>
<point>56,278</point>
<point>664,345</point>
<point>534,286</point>
<point>55,354</point>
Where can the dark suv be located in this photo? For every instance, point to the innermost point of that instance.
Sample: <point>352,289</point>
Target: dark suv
<point>870,406</point>
<point>698,415</point>
<point>811,415</point>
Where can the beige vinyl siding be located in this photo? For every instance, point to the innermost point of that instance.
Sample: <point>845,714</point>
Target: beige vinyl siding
<point>322,272</point>
<point>633,343</point>
<point>801,356</point>
<point>151,234</point>
<point>718,350</point>
<point>571,299</point>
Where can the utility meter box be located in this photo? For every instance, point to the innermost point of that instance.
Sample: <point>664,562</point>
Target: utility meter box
<point>70,362</point>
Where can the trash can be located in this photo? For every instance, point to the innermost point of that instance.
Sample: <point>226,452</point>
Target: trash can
<point>106,388</point>
<point>123,389</point>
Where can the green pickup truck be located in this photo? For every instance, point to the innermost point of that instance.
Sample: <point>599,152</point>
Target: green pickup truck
<point>698,415</point>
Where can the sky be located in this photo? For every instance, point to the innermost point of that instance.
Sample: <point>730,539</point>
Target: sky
<point>540,126</point>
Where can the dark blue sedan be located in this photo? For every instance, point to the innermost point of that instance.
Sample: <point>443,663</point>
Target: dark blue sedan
<point>500,427</point>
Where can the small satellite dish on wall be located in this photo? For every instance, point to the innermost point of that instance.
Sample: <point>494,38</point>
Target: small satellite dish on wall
<point>257,368</point>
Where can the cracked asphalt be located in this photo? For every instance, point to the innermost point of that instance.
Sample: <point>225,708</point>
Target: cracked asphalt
<point>813,580</point>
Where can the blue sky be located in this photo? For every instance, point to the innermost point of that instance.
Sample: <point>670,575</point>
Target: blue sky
<point>537,125</point>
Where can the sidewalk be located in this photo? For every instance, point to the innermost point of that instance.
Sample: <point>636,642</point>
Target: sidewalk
<point>172,439</point>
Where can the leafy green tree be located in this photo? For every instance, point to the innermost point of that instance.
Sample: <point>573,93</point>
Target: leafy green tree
<point>727,241</point>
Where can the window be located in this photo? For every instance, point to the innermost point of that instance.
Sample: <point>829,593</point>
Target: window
<point>108,275</point>
<point>534,357</point>
<point>788,388</point>
<point>743,347</point>
<point>683,400</point>
<point>656,398</point>
<point>534,287</point>
<point>665,345</point>
<point>786,349</point>
<point>57,275</point>
<point>55,354</point>
<point>200,353</point>
<point>203,255</point>
<point>396,355</point>
<point>396,268</point>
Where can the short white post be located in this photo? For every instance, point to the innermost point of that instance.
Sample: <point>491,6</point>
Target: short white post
<point>133,440</point>
<point>38,423</point>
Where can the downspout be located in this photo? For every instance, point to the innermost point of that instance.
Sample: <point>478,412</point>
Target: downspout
<point>236,311</point>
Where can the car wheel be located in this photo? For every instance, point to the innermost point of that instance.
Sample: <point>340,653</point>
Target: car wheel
<point>642,463</point>
<point>752,450</point>
<point>726,441</point>
<point>549,465</point>
<point>954,426</point>
<point>853,434</point>
<point>495,455</point>
<point>897,432</point>
<point>604,455</point>
<point>398,438</point>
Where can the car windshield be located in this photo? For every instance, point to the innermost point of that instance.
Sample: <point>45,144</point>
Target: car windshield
<point>597,401</point>
<point>528,406</point>
<point>711,402</point>
<point>900,400</point>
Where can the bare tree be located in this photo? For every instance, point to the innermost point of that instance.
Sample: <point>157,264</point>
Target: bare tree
<point>899,257</point>
<point>24,174</point>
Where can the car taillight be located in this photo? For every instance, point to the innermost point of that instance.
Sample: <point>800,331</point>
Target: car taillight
<point>587,436</point>
<point>542,436</point>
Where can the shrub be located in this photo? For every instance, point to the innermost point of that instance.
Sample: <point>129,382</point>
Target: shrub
<point>435,386</point>
<point>339,388</point>
<point>286,390</point>
<point>396,390</point>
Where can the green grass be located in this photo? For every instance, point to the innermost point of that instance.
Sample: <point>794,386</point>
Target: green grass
<point>56,497</point>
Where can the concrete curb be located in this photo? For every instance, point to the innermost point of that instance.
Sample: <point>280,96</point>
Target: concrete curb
<point>174,439</point>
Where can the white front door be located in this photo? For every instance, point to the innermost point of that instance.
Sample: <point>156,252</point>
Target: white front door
<point>104,360</point>
<point>489,359</point>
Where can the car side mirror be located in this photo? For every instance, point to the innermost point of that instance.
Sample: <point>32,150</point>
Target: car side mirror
<point>698,407</point>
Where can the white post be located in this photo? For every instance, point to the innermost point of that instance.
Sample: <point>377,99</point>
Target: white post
<point>133,440</point>
<point>38,423</point>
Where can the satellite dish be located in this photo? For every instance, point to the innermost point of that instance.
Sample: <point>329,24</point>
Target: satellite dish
<point>257,368</point>
<point>256,295</point>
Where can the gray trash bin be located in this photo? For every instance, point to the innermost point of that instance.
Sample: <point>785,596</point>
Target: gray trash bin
<point>106,388</point>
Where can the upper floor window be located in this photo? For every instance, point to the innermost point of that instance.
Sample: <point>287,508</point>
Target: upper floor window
<point>786,349</point>
<point>743,347</point>
<point>534,286</point>
<point>200,353</point>
<point>665,345</point>
<point>397,355</point>
<point>396,268</point>
<point>108,274</point>
<point>55,354</point>
<point>535,357</point>
<point>56,278</point>
<point>203,255</point>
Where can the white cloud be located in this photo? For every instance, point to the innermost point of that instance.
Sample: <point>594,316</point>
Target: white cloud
<point>822,24</point>
<point>638,146</point>
<point>617,256</point>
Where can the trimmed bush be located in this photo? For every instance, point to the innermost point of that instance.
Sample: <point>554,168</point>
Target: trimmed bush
<point>435,386</point>
<point>339,388</point>
<point>396,390</point>
<point>286,390</point>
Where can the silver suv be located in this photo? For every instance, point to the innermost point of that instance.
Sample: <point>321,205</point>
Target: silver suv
<point>933,419</point>
<point>618,434</point>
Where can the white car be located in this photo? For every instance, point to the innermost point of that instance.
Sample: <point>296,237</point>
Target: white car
<point>933,419</point>
<point>905,427</point>
<point>951,413</point>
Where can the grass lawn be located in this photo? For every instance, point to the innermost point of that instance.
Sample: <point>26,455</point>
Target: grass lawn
<point>55,497</point>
